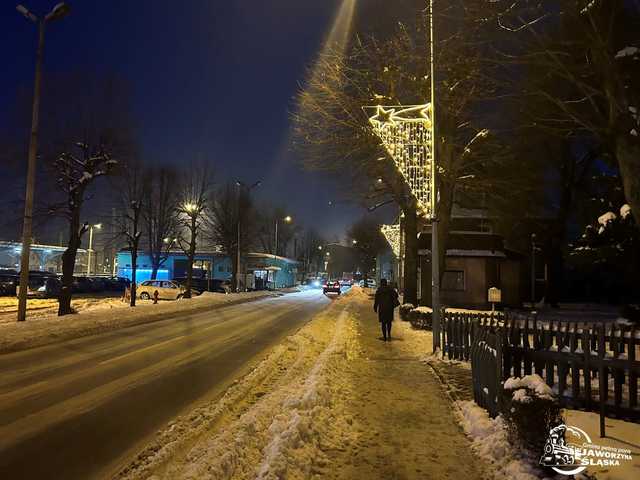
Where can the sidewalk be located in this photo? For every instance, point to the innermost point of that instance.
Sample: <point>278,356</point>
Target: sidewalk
<point>405,418</point>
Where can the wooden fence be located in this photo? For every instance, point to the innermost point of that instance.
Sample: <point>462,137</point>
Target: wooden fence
<point>589,366</point>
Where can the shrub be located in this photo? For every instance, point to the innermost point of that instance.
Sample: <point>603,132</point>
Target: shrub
<point>420,318</point>
<point>405,308</point>
<point>531,411</point>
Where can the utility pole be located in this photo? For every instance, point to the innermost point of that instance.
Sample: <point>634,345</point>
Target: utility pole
<point>435,260</point>
<point>59,11</point>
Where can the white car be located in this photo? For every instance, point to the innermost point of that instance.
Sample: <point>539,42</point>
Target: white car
<point>371,283</point>
<point>166,289</point>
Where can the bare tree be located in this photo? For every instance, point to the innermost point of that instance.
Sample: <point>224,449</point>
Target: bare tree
<point>232,207</point>
<point>159,207</point>
<point>76,173</point>
<point>367,239</point>
<point>133,191</point>
<point>333,135</point>
<point>191,210</point>
<point>311,253</point>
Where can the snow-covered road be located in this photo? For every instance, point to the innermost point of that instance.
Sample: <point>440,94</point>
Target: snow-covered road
<point>74,409</point>
<point>330,402</point>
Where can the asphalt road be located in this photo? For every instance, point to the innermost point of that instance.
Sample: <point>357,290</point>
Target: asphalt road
<point>76,410</point>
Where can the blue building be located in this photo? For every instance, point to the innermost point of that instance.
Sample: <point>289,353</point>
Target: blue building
<point>263,270</point>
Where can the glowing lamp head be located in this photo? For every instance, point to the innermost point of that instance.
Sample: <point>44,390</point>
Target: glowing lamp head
<point>288,219</point>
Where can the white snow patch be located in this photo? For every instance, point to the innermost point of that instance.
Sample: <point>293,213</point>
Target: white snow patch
<point>605,218</point>
<point>625,210</point>
<point>490,441</point>
<point>532,382</point>
<point>627,52</point>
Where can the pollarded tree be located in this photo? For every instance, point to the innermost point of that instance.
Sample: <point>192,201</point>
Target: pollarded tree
<point>76,173</point>
<point>133,190</point>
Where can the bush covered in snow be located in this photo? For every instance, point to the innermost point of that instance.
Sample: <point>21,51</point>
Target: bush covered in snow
<point>530,410</point>
<point>404,310</point>
<point>421,318</point>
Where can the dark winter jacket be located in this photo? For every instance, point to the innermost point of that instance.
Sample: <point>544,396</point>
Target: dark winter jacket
<point>386,301</point>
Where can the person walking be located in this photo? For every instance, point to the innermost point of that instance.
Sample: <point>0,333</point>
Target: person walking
<point>386,301</point>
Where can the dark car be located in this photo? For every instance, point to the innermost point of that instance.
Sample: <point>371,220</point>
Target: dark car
<point>83,285</point>
<point>331,287</point>
<point>200,285</point>
<point>116,284</point>
<point>9,280</point>
<point>42,284</point>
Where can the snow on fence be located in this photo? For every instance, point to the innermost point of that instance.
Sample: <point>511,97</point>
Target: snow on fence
<point>592,367</point>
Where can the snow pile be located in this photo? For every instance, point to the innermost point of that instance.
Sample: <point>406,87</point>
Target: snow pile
<point>625,210</point>
<point>605,218</point>
<point>534,383</point>
<point>426,310</point>
<point>107,316</point>
<point>629,51</point>
<point>490,441</point>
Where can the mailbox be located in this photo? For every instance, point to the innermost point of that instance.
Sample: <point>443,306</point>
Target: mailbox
<point>495,295</point>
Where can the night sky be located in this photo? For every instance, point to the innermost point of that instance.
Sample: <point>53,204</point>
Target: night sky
<point>210,79</point>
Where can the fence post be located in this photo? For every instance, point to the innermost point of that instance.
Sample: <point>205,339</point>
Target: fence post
<point>604,388</point>
<point>498,372</point>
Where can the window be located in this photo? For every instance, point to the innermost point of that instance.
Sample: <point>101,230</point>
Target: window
<point>229,269</point>
<point>453,280</point>
<point>220,268</point>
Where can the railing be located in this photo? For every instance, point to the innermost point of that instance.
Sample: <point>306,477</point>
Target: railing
<point>589,366</point>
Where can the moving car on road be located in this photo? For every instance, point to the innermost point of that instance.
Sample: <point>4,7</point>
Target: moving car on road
<point>166,289</point>
<point>331,287</point>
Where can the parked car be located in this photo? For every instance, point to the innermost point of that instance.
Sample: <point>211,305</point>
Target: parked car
<point>371,283</point>
<point>41,285</point>
<point>117,284</point>
<point>331,287</point>
<point>83,285</point>
<point>167,290</point>
<point>199,285</point>
<point>9,280</point>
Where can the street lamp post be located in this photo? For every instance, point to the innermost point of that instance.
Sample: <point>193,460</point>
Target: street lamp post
<point>90,250</point>
<point>59,11</point>
<point>435,260</point>
<point>249,188</point>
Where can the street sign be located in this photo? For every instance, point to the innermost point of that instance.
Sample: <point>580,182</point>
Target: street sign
<point>495,295</point>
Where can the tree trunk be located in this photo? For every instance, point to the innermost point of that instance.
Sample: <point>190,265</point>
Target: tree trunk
<point>411,256</point>
<point>134,271</point>
<point>69,263</point>
<point>628,156</point>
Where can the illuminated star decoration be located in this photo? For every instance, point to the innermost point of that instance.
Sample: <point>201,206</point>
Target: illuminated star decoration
<point>392,235</point>
<point>405,133</point>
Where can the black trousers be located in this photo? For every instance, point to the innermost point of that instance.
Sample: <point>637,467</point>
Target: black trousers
<point>386,329</point>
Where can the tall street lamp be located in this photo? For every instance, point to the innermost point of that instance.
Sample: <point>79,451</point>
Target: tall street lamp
<point>98,226</point>
<point>248,188</point>
<point>286,219</point>
<point>59,11</point>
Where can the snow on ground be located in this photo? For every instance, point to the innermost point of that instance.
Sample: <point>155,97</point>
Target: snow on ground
<point>332,401</point>
<point>100,316</point>
<point>619,434</point>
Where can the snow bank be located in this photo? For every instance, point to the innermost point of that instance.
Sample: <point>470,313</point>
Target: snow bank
<point>490,442</point>
<point>106,316</point>
<point>534,383</point>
